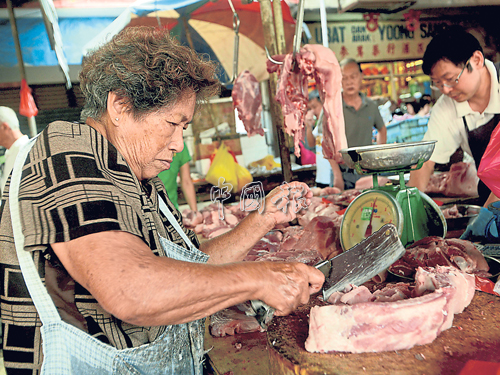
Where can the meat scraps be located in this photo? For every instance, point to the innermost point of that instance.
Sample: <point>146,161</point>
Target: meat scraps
<point>235,319</point>
<point>460,181</point>
<point>247,100</point>
<point>366,325</point>
<point>314,62</point>
<point>432,251</point>
<point>207,222</point>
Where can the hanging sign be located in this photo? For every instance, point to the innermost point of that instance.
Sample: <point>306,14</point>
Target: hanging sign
<point>388,41</point>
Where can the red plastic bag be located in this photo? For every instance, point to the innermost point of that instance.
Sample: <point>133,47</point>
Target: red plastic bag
<point>27,107</point>
<point>489,168</point>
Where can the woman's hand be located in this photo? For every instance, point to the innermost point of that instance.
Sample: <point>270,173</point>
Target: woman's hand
<point>285,286</point>
<point>284,202</point>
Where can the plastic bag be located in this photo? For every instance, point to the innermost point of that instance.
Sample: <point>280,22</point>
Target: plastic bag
<point>244,177</point>
<point>489,168</point>
<point>306,156</point>
<point>27,106</point>
<point>223,165</point>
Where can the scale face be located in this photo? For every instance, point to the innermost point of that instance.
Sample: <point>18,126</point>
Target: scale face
<point>366,214</point>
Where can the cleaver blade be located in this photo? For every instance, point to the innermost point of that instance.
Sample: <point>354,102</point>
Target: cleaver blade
<point>362,261</point>
<point>355,266</point>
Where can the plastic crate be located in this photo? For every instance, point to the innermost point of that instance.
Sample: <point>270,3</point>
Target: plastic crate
<point>409,130</point>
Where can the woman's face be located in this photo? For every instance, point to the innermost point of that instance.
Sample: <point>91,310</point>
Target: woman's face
<point>149,145</point>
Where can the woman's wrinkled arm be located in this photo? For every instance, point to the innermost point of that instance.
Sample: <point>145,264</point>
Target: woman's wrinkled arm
<point>138,287</point>
<point>281,206</point>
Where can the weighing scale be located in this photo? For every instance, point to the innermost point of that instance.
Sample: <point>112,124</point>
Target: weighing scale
<point>414,213</point>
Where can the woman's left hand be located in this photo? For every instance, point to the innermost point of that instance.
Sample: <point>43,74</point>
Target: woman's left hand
<point>284,202</point>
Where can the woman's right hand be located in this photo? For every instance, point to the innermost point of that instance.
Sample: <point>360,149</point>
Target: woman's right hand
<point>285,286</point>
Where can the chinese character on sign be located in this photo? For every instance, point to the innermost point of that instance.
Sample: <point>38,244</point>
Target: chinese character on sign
<point>344,52</point>
<point>253,197</point>
<point>420,48</point>
<point>391,48</point>
<point>406,48</point>
<point>294,195</point>
<point>360,51</point>
<point>221,193</point>
<point>376,50</point>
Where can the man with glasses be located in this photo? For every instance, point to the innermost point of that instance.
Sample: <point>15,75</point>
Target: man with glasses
<point>468,112</point>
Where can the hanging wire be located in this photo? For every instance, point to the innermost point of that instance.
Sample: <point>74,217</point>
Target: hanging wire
<point>236,29</point>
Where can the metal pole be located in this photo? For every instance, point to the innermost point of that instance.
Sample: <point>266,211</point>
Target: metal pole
<point>270,41</point>
<point>15,35</point>
<point>322,13</point>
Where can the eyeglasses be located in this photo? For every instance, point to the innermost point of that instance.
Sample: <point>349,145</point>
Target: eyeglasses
<point>449,83</point>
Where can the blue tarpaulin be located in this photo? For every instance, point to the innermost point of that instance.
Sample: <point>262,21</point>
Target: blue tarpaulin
<point>76,33</point>
<point>35,45</point>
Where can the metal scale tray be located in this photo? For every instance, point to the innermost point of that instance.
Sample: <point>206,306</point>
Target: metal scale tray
<point>388,157</point>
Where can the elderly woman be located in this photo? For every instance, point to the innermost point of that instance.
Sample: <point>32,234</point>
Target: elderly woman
<point>126,285</point>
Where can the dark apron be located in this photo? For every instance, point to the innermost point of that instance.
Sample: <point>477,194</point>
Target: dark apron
<point>478,141</point>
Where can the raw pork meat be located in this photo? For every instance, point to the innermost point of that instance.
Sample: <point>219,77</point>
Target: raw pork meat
<point>234,320</point>
<point>460,181</point>
<point>382,326</point>
<point>247,99</point>
<point>191,218</point>
<point>451,212</point>
<point>318,207</point>
<point>433,251</point>
<point>320,64</point>
<point>208,223</point>
<point>318,192</point>
<point>321,234</point>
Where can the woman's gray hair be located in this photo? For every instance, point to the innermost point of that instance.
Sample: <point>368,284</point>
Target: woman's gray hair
<point>148,68</point>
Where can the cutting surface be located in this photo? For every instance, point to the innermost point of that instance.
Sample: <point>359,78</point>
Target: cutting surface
<point>475,335</point>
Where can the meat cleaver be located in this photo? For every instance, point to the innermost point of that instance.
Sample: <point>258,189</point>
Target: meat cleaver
<point>355,266</point>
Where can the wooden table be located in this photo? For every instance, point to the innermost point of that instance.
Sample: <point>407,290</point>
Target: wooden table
<point>475,335</point>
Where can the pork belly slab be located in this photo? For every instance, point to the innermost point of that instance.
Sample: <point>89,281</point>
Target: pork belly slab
<point>439,293</point>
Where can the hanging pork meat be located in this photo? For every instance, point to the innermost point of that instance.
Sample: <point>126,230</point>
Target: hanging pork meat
<point>318,63</point>
<point>247,100</point>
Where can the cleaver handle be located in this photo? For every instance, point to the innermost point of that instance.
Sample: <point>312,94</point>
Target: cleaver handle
<point>263,312</point>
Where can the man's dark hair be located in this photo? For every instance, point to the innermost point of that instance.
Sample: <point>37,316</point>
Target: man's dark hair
<point>453,44</point>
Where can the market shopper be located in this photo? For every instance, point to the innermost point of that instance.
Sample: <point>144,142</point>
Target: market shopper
<point>469,110</point>
<point>12,139</point>
<point>314,139</point>
<point>129,282</point>
<point>180,167</point>
<point>361,115</point>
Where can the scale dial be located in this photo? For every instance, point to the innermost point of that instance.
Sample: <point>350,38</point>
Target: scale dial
<point>368,213</point>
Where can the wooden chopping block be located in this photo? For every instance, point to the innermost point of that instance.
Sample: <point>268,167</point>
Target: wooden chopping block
<point>475,334</point>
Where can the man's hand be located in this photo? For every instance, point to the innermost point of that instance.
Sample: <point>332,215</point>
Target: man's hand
<point>483,228</point>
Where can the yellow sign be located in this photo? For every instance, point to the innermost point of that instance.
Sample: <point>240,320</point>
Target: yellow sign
<point>390,41</point>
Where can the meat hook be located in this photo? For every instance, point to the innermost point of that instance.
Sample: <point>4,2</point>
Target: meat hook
<point>271,59</point>
<point>236,29</point>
